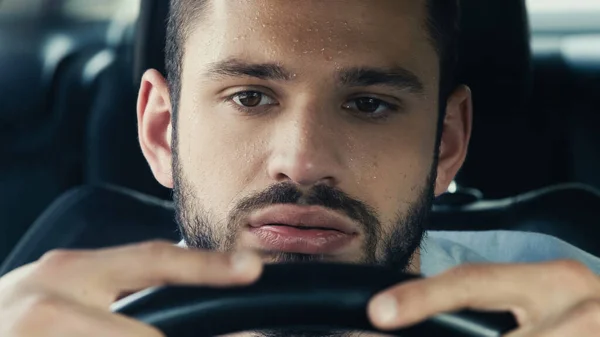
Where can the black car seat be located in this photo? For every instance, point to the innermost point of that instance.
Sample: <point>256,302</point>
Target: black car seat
<point>565,99</point>
<point>48,71</point>
<point>94,217</point>
<point>583,115</point>
<point>113,153</point>
<point>117,159</point>
<point>507,155</point>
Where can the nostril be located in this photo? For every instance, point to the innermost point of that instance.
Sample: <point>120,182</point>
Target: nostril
<point>303,169</point>
<point>281,177</point>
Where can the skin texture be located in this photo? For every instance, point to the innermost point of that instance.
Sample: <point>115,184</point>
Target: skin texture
<point>68,293</point>
<point>305,135</point>
<point>308,138</point>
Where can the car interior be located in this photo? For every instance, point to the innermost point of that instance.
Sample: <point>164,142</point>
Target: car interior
<point>73,175</point>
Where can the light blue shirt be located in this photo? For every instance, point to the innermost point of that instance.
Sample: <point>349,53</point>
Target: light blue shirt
<point>444,250</point>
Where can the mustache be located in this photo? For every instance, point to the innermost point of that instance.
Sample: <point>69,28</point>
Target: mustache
<point>319,195</point>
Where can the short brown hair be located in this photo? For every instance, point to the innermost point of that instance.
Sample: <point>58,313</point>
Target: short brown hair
<point>442,25</point>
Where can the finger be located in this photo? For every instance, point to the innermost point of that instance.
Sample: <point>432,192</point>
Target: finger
<point>528,291</point>
<point>414,301</point>
<point>49,316</point>
<point>156,263</point>
<point>98,277</point>
<point>583,320</point>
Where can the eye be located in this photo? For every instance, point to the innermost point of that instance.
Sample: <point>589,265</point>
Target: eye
<point>251,99</point>
<point>370,106</point>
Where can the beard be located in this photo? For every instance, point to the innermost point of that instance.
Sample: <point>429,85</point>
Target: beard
<point>393,248</point>
<point>200,229</point>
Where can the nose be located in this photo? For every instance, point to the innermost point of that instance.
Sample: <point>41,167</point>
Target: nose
<point>305,150</point>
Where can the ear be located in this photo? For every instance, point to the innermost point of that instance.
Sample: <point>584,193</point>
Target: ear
<point>154,125</point>
<point>455,137</point>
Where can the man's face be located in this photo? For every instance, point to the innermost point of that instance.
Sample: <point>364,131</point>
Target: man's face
<point>305,130</point>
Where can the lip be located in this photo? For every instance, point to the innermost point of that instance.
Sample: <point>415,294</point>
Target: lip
<point>303,217</point>
<point>301,229</point>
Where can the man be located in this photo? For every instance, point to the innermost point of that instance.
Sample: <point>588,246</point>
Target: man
<point>308,130</point>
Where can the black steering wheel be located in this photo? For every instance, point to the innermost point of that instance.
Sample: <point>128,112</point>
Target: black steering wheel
<point>310,295</point>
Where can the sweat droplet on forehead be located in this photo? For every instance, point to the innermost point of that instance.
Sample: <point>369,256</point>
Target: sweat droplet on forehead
<point>284,31</point>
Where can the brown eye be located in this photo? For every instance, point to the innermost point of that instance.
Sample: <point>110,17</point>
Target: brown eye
<point>251,102</point>
<point>249,99</point>
<point>252,99</point>
<point>368,104</point>
<point>371,107</point>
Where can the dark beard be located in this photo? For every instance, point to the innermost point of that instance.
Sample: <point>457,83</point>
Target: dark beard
<point>199,229</point>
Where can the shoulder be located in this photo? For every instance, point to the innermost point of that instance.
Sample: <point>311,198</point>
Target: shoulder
<point>444,250</point>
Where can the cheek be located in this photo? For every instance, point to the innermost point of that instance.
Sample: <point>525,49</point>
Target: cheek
<point>219,158</point>
<point>392,177</point>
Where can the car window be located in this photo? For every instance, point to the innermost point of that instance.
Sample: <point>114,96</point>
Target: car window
<point>564,16</point>
<point>101,10</point>
<point>75,10</point>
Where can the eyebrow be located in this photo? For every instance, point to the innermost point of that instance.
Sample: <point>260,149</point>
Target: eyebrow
<point>237,68</point>
<point>397,77</point>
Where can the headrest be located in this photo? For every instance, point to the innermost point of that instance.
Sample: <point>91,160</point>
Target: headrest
<point>494,53</point>
<point>151,37</point>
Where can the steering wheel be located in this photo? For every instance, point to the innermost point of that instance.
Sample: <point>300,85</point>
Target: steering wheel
<point>305,295</point>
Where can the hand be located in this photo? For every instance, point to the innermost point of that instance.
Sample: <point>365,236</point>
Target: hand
<point>68,293</point>
<point>549,299</point>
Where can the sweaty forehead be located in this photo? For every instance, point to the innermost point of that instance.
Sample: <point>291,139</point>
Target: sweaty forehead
<point>375,32</point>
<point>329,14</point>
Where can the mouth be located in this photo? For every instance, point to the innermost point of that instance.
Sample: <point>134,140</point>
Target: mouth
<point>304,230</point>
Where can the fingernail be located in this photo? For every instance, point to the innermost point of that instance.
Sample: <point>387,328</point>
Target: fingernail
<point>384,309</point>
<point>243,262</point>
